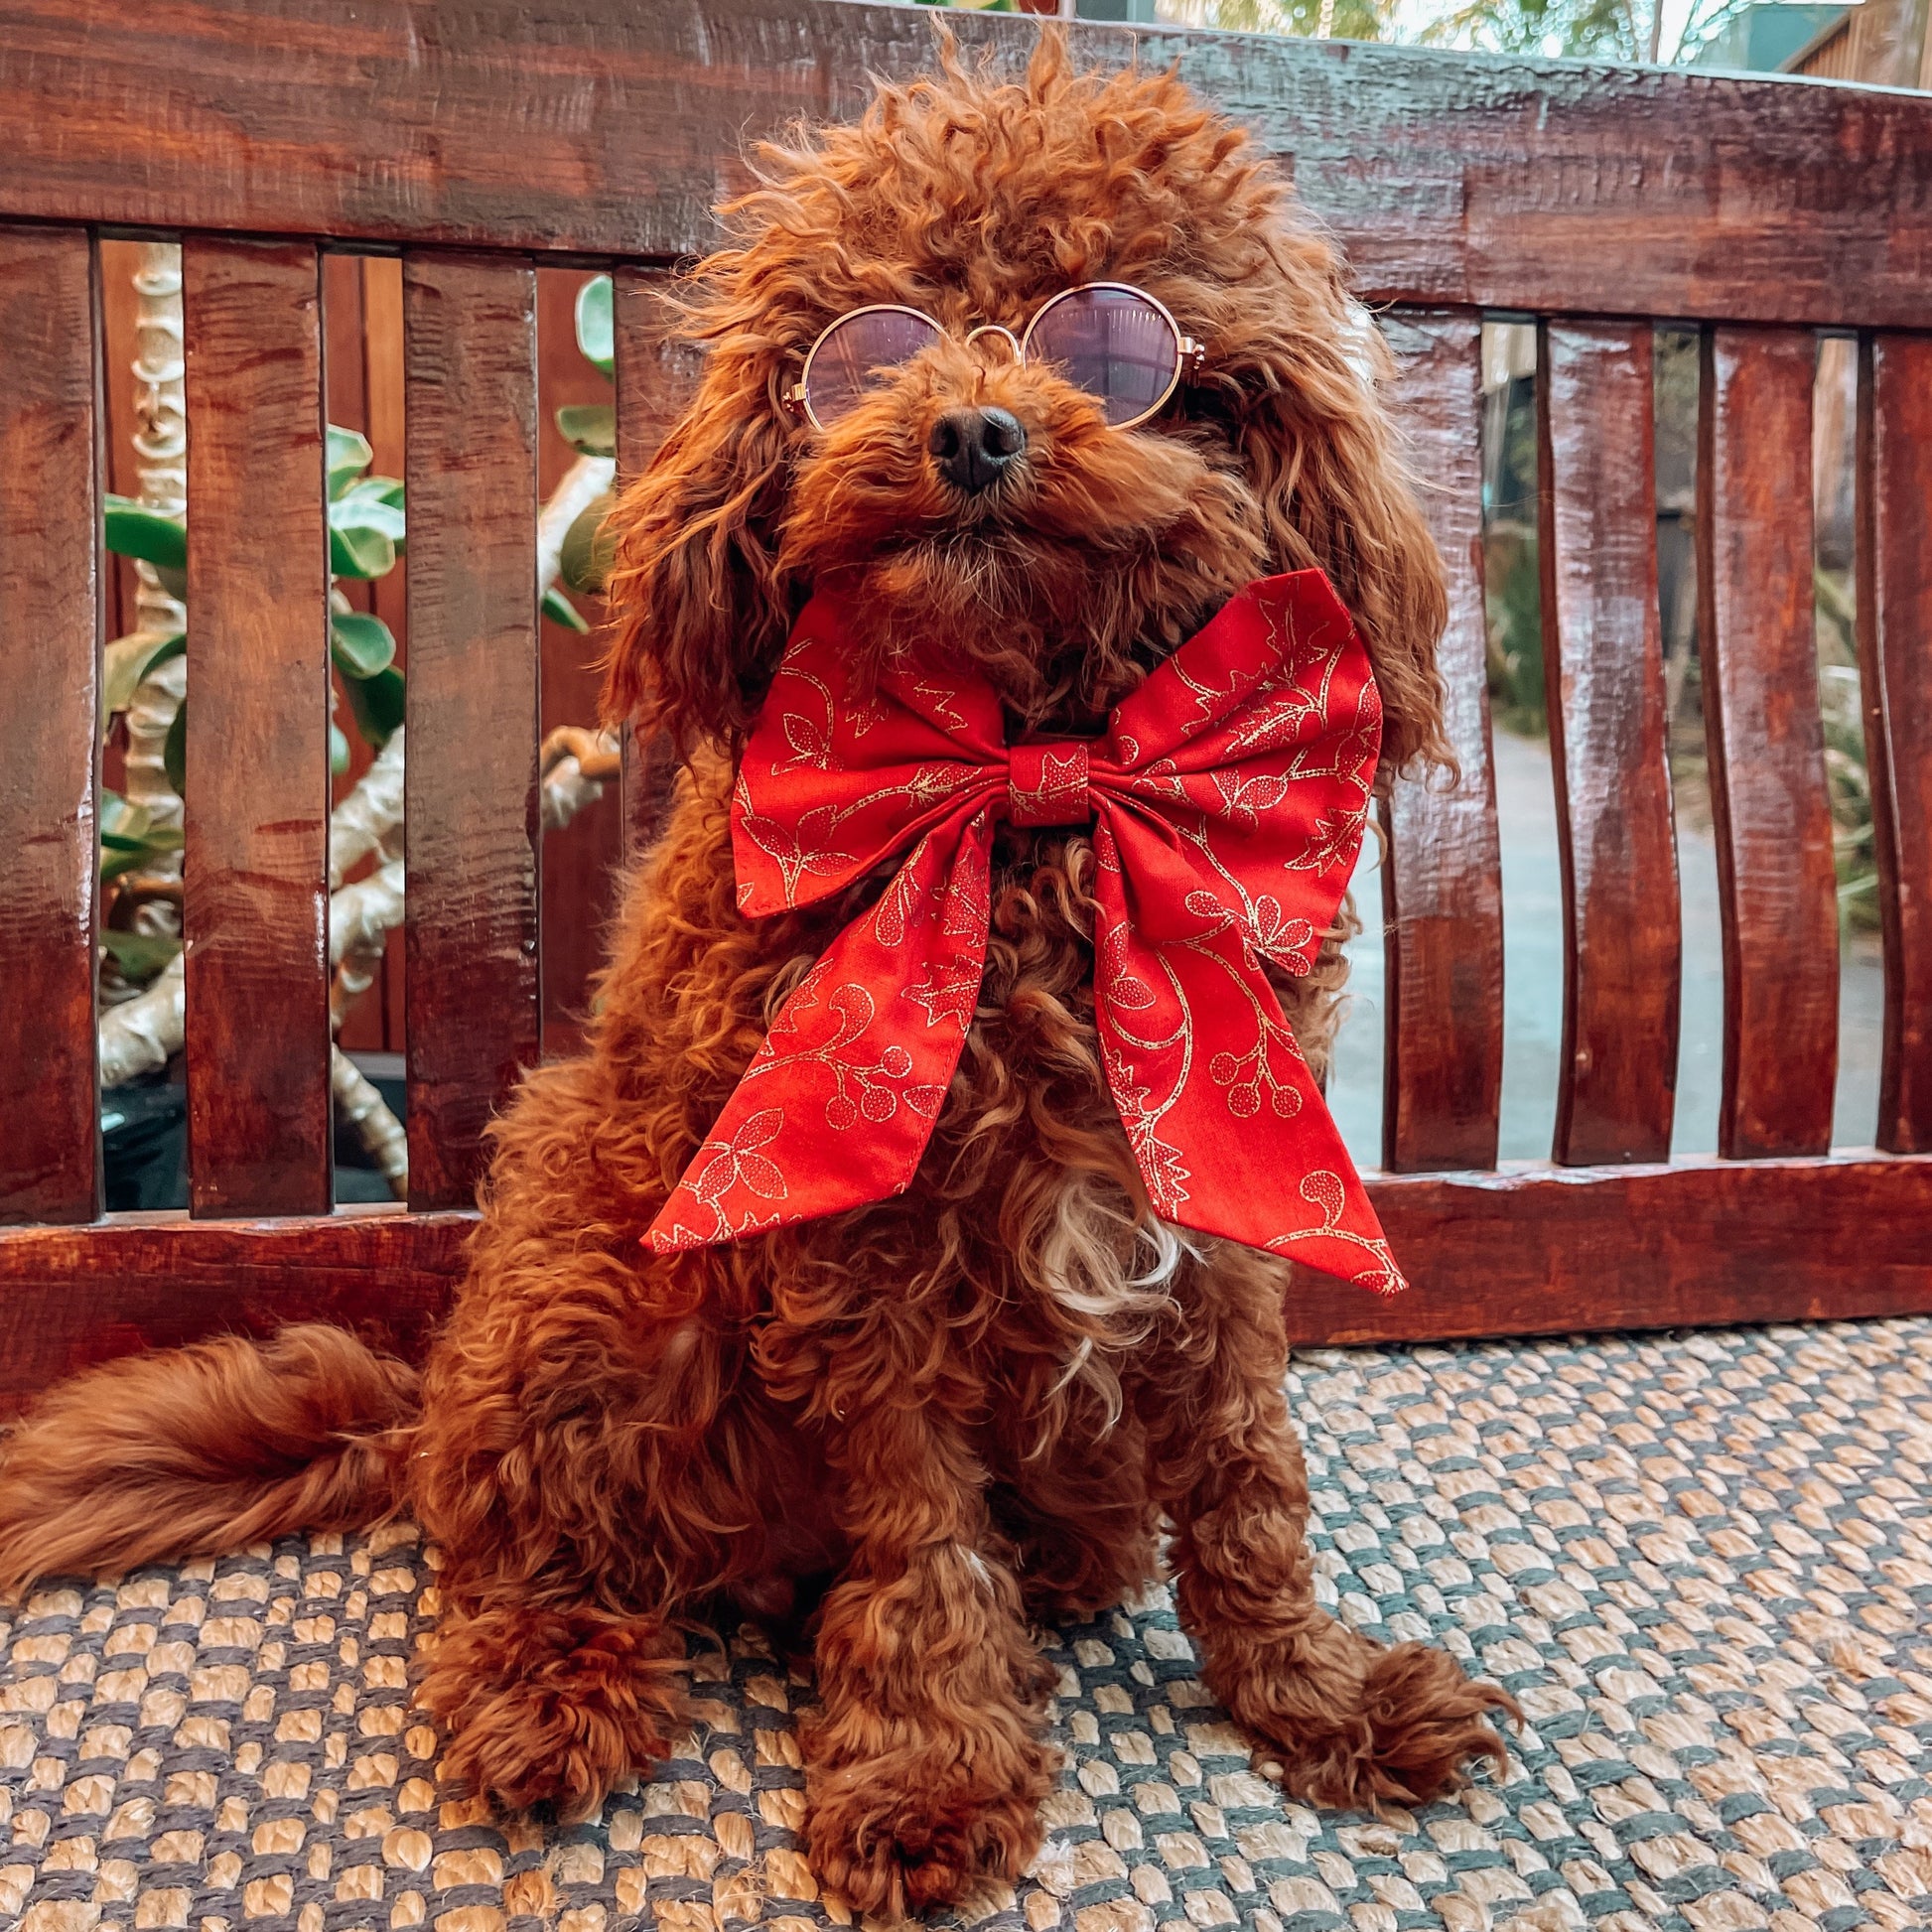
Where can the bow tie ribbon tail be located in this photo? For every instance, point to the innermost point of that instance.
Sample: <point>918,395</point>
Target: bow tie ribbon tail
<point>860,1056</point>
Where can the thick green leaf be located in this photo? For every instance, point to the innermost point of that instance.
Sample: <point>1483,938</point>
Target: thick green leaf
<point>127,841</point>
<point>175,646</point>
<point>360,551</point>
<point>134,530</point>
<point>349,456</point>
<point>385,489</point>
<point>587,550</point>
<point>361,644</point>
<point>377,705</point>
<point>363,531</point>
<point>337,750</point>
<point>591,427</point>
<point>595,335</point>
<point>173,581</point>
<point>114,862</point>
<point>368,513</point>
<point>127,662</point>
<point>139,955</point>
<point>125,850</point>
<point>174,752</point>
<point>121,824</point>
<point>560,610</point>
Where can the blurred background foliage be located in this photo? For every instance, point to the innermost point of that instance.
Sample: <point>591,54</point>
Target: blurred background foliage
<point>1883,41</point>
<point>1615,30</point>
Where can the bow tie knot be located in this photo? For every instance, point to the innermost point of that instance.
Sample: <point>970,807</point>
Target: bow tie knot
<point>1046,783</point>
<point>1227,801</point>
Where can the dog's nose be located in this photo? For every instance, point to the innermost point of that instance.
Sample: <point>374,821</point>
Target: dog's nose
<point>972,447</point>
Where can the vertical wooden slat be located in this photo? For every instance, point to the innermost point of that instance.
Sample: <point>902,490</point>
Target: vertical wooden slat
<point>1757,630</point>
<point>114,269</point>
<point>1896,671</point>
<point>580,868</point>
<point>49,693</point>
<point>258,748</point>
<point>1441,880</point>
<point>382,385</point>
<point>1604,674</point>
<point>658,376</point>
<point>471,826</point>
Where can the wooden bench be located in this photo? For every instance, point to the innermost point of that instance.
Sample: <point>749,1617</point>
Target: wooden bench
<point>480,140</point>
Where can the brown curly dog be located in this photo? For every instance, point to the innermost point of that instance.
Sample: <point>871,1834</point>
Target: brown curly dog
<point>930,1422</point>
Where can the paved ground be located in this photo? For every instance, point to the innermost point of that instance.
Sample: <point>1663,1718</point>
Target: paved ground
<point>1533,988</point>
<point>1703,1564</point>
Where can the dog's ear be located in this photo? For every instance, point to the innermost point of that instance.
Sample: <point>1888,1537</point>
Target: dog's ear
<point>1320,454</point>
<point>699,606</point>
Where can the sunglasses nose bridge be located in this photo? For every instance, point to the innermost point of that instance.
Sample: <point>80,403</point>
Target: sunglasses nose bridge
<point>990,331</point>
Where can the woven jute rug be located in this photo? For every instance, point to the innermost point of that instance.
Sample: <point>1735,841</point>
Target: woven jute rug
<point>1702,1563</point>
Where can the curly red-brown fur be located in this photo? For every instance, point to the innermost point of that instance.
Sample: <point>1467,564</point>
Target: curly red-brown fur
<point>922,1424</point>
<point>201,1450</point>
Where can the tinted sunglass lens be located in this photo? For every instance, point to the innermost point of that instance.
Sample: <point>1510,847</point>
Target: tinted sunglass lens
<point>1113,343</point>
<point>856,349</point>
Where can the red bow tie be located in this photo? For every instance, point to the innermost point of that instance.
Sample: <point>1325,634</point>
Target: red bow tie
<point>1226,800</point>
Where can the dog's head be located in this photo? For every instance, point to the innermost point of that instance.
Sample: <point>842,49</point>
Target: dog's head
<point>964,496</point>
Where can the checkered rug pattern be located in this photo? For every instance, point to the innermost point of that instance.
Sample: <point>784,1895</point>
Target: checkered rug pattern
<point>1701,1562</point>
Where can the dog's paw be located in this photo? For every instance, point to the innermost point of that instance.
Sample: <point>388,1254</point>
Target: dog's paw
<point>550,1712</point>
<point>897,1834</point>
<point>1401,1733</point>
<point>1427,1719</point>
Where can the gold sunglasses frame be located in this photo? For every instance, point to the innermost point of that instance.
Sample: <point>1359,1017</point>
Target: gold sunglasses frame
<point>1188,353</point>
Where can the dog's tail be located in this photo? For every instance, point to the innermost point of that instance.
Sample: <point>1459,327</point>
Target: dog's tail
<point>201,1450</point>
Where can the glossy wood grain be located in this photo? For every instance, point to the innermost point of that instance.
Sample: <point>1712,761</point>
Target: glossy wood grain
<point>656,376</point>
<point>257,751</point>
<point>1442,878</point>
<point>607,127</point>
<point>1895,667</point>
<point>1759,658</point>
<point>1603,675</point>
<point>1697,1242</point>
<point>70,1297</point>
<point>472,827</point>
<point>1518,1253</point>
<point>51,584</point>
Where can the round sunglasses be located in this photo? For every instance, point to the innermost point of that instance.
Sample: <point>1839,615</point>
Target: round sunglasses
<point>1115,341</point>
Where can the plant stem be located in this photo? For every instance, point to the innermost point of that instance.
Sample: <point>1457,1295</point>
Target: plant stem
<point>160,467</point>
<point>359,1103</point>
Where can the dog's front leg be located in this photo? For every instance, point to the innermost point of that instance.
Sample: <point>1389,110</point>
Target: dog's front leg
<point>1354,1724</point>
<point>924,1764</point>
<point>566,1456</point>
<point>548,1702</point>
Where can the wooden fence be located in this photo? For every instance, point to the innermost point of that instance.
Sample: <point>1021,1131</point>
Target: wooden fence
<point>484,140</point>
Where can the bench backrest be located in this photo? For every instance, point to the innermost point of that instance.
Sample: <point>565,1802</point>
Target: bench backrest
<point>483,140</point>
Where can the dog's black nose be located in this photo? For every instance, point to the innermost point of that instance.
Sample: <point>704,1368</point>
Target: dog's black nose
<point>973,448</point>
